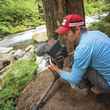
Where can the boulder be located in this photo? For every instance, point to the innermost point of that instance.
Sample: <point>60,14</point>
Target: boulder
<point>29,52</point>
<point>40,34</point>
<point>4,50</point>
<point>19,53</point>
<point>4,63</point>
<point>28,55</point>
<point>29,48</point>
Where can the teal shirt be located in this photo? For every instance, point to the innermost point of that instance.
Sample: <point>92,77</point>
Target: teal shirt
<point>93,50</point>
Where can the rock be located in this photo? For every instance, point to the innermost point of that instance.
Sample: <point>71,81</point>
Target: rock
<point>6,57</point>
<point>4,63</point>
<point>42,64</point>
<point>40,34</point>
<point>11,53</point>
<point>29,48</point>
<point>1,83</point>
<point>2,75</point>
<point>28,55</point>
<point>29,51</point>
<point>5,49</point>
<point>16,39</point>
<point>18,54</point>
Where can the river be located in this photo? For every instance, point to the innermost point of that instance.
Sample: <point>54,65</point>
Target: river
<point>10,41</point>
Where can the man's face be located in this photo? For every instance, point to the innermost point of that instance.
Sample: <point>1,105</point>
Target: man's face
<point>71,36</point>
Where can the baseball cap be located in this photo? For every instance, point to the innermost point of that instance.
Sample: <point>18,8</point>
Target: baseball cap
<point>71,20</point>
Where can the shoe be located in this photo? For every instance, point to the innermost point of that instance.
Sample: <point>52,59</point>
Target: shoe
<point>103,98</point>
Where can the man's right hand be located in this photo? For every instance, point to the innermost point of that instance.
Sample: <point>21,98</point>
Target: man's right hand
<point>55,70</point>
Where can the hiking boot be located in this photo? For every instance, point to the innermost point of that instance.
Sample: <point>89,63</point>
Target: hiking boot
<point>103,98</point>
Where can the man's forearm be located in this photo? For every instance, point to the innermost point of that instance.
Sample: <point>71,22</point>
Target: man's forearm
<point>72,77</point>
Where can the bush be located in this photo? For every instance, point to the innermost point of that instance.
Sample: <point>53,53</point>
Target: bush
<point>96,7</point>
<point>18,76</point>
<point>18,15</point>
<point>99,7</point>
<point>103,25</point>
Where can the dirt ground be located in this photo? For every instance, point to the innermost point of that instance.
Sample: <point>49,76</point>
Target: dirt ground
<point>64,99</point>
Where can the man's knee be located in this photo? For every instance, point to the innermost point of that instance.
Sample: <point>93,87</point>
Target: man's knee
<point>98,81</point>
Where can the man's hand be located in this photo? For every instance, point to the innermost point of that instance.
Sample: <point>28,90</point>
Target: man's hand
<point>55,70</point>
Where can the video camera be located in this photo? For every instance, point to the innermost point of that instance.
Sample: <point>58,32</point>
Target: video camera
<point>55,50</point>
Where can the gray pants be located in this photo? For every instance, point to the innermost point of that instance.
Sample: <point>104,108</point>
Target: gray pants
<point>93,79</point>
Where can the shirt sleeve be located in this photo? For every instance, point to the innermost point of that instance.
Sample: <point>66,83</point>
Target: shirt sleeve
<point>82,58</point>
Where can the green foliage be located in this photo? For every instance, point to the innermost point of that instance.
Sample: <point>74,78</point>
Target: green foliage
<point>99,7</point>
<point>96,7</point>
<point>103,25</point>
<point>18,15</point>
<point>16,79</point>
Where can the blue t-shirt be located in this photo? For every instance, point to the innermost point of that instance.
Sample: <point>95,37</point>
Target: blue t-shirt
<point>92,51</point>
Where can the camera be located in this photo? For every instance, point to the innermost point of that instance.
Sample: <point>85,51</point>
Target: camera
<point>54,49</point>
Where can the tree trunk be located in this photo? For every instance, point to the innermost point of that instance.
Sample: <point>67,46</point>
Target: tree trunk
<point>50,11</point>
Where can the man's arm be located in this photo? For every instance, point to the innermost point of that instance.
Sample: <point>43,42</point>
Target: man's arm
<point>72,77</point>
<point>82,59</point>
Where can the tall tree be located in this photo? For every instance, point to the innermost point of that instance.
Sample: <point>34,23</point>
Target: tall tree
<point>55,10</point>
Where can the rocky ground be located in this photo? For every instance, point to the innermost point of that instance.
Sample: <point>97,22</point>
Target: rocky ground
<point>64,99</point>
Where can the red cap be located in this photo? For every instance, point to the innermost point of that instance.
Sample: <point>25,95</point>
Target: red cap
<point>71,20</point>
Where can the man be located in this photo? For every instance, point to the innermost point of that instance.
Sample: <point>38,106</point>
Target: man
<point>91,56</point>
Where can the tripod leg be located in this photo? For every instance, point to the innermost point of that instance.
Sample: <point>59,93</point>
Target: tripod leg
<point>49,93</point>
<point>41,101</point>
<point>57,85</point>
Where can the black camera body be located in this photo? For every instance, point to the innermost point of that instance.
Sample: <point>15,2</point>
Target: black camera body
<point>55,50</point>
